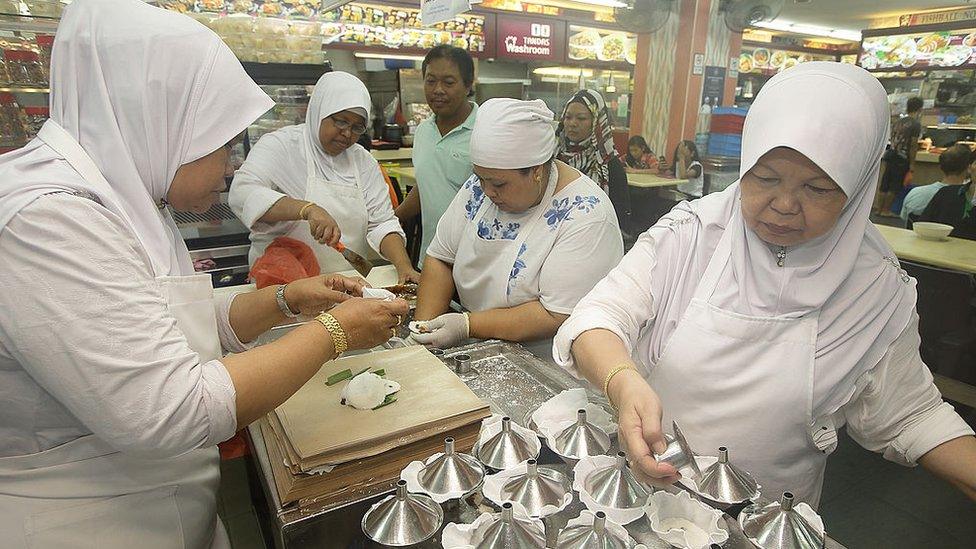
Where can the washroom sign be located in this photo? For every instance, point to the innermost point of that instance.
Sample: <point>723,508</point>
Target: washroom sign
<point>525,38</point>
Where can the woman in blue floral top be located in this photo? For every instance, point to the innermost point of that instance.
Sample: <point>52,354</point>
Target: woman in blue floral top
<point>525,238</point>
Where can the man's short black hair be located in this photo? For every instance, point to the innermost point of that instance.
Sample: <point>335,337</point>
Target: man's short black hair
<point>956,159</point>
<point>461,59</point>
<point>914,105</point>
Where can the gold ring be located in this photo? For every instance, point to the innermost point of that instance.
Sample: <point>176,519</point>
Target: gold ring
<point>393,332</point>
<point>399,320</point>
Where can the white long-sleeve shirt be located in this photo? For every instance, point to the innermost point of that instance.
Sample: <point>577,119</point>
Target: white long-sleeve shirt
<point>87,343</point>
<point>895,408</point>
<point>276,167</point>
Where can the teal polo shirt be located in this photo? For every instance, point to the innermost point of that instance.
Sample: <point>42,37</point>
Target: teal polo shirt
<point>442,164</point>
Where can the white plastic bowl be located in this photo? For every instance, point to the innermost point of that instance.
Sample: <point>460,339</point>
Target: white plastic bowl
<point>932,231</point>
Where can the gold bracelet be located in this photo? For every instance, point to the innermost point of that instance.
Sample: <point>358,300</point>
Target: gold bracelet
<point>339,342</point>
<point>301,212</point>
<point>609,378</point>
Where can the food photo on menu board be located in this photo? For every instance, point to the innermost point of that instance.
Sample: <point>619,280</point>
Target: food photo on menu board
<point>766,59</point>
<point>918,51</point>
<point>602,45</point>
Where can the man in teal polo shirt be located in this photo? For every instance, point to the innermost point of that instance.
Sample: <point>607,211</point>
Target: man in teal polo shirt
<point>440,146</point>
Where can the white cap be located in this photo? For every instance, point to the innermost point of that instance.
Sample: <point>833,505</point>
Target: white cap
<point>510,134</point>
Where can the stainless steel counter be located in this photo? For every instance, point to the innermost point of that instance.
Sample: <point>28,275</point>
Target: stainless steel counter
<point>514,379</point>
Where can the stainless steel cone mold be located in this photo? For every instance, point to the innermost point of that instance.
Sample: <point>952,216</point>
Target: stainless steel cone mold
<point>779,526</point>
<point>723,482</point>
<point>506,449</point>
<point>679,453</point>
<point>506,531</point>
<point>451,472</point>
<point>593,536</point>
<point>582,439</point>
<point>537,488</point>
<point>403,518</point>
<point>616,486</point>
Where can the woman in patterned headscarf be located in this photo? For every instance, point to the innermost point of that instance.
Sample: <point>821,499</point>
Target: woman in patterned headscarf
<point>585,142</point>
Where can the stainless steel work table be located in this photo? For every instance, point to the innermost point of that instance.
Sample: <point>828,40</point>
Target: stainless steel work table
<point>338,526</point>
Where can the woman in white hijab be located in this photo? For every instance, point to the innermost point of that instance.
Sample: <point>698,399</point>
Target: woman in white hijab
<point>113,388</point>
<point>765,317</point>
<point>313,182</point>
<point>521,259</point>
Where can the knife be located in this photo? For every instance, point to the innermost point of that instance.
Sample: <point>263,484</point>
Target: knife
<point>357,261</point>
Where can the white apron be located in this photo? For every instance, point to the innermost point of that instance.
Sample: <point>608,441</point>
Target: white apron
<point>482,268</point>
<point>84,494</point>
<point>345,204</point>
<point>746,383</point>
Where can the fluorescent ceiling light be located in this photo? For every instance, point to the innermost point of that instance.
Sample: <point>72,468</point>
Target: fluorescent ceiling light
<point>602,3</point>
<point>810,30</point>
<point>366,55</point>
<point>562,71</point>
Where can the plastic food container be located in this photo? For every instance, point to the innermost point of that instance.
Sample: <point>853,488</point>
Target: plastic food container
<point>12,129</point>
<point>34,118</point>
<point>44,8</point>
<point>24,67</point>
<point>268,25</point>
<point>11,7</point>
<point>45,42</point>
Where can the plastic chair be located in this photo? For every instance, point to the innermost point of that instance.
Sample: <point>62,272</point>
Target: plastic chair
<point>396,196</point>
<point>946,314</point>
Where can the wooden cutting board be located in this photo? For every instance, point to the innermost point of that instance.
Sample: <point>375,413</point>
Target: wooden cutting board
<point>432,400</point>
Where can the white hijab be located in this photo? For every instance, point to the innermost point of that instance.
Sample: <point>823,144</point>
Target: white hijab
<point>143,90</point>
<point>836,115</point>
<point>334,92</point>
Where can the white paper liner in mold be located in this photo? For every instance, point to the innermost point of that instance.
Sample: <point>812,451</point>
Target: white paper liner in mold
<point>491,426</point>
<point>586,517</point>
<point>411,474</point>
<point>493,485</point>
<point>582,470</point>
<point>663,506</point>
<point>461,536</point>
<point>559,412</point>
<point>688,474</point>
<point>378,293</point>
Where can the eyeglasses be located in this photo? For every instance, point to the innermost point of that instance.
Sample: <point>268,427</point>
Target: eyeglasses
<point>343,125</point>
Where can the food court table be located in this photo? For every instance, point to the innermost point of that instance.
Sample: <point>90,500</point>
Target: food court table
<point>958,254</point>
<point>408,175</point>
<point>652,181</point>
<point>339,526</point>
<point>392,155</point>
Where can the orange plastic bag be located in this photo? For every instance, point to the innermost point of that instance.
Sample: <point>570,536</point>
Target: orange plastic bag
<point>284,260</point>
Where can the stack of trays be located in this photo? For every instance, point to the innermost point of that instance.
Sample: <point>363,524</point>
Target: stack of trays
<point>725,137</point>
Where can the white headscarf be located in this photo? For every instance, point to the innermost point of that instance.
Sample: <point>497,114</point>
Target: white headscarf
<point>334,92</point>
<point>510,134</point>
<point>836,115</point>
<point>143,90</point>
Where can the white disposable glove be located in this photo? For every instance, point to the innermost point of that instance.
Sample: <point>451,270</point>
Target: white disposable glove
<point>446,330</point>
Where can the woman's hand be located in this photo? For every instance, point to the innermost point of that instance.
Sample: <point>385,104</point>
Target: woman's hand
<point>310,296</point>
<point>369,322</point>
<point>639,421</point>
<point>446,331</point>
<point>322,226</point>
<point>407,274</point>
